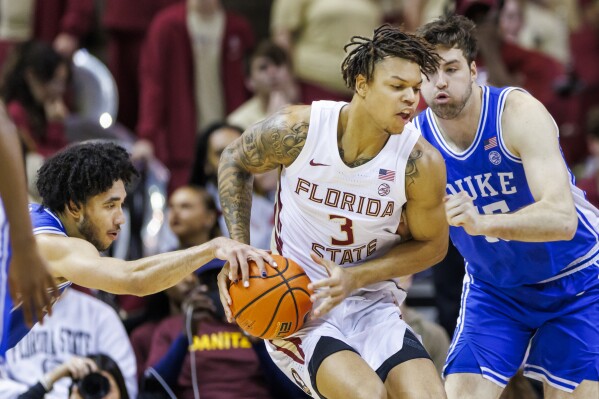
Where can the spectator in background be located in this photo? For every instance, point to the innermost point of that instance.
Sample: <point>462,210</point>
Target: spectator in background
<point>191,75</point>
<point>80,325</point>
<point>314,33</point>
<point>33,84</point>
<point>209,148</point>
<point>192,217</point>
<point>126,24</point>
<point>62,23</point>
<point>269,77</point>
<point>221,362</point>
<point>96,376</point>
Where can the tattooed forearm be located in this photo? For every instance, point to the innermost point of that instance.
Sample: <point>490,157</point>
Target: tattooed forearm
<point>411,167</point>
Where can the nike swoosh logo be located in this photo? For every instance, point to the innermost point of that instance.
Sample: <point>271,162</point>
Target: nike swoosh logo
<point>312,163</point>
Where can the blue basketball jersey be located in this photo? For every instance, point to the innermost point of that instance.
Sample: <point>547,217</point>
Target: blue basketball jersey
<point>12,324</point>
<point>496,181</point>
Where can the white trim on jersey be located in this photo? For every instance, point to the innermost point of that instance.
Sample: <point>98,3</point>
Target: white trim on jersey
<point>482,121</point>
<point>494,376</point>
<point>500,108</point>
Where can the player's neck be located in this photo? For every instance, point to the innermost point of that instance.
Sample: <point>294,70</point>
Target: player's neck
<point>461,130</point>
<point>358,138</point>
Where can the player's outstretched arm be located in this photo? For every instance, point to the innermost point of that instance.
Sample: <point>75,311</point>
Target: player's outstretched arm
<point>425,218</point>
<point>530,134</point>
<point>30,283</point>
<point>78,261</point>
<point>267,145</point>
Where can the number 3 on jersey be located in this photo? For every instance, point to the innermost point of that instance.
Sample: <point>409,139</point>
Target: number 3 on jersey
<point>346,226</point>
<point>495,207</point>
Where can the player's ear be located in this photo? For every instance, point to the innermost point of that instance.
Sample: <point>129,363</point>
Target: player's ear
<point>473,71</point>
<point>361,85</point>
<point>73,210</point>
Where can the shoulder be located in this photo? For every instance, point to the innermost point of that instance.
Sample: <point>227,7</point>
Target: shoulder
<point>525,118</point>
<point>522,106</point>
<point>428,155</point>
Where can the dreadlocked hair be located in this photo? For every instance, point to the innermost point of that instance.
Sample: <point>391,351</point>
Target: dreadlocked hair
<point>82,171</point>
<point>388,41</point>
<point>452,31</point>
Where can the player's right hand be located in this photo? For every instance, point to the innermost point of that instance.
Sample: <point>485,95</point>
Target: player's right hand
<point>31,285</point>
<point>237,256</point>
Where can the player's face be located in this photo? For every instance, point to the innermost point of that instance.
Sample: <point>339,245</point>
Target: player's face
<point>188,215</point>
<point>102,217</point>
<point>393,93</point>
<point>448,90</point>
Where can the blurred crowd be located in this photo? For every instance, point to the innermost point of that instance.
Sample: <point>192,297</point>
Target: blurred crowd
<point>189,77</point>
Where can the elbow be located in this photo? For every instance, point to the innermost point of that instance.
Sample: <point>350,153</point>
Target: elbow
<point>569,226</point>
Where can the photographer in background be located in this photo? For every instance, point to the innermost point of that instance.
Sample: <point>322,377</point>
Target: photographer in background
<point>94,377</point>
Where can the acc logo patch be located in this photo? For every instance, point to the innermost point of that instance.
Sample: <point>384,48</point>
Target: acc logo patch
<point>495,157</point>
<point>384,189</point>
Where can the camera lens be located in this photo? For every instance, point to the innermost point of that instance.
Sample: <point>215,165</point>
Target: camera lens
<point>93,386</point>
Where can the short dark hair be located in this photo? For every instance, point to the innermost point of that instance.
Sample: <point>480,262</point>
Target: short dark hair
<point>269,50</point>
<point>388,41</point>
<point>452,31</point>
<point>82,171</point>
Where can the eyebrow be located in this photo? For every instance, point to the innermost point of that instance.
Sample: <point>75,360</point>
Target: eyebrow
<point>112,199</point>
<point>454,61</point>
<point>403,80</point>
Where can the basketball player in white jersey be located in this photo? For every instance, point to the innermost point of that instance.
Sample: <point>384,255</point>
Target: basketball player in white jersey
<point>346,173</point>
<point>29,281</point>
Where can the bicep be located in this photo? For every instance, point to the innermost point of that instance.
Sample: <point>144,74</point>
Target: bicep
<point>426,183</point>
<point>531,133</point>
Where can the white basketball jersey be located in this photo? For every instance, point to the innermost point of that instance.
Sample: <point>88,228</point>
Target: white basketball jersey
<point>348,215</point>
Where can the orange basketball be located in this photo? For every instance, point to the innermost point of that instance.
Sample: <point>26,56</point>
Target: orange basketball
<point>274,306</point>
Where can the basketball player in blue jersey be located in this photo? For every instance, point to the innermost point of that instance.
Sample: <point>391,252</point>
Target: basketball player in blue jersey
<point>347,170</point>
<point>528,236</point>
<point>29,283</point>
<point>83,190</point>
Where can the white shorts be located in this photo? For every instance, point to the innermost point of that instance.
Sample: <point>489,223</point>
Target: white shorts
<point>369,322</point>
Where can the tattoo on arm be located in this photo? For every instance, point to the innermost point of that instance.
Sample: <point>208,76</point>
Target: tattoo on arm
<point>411,167</point>
<point>263,147</point>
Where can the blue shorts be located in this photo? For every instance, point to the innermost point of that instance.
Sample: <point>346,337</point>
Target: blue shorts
<point>550,329</point>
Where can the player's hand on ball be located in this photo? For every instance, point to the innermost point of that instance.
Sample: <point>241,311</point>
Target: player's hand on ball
<point>238,254</point>
<point>461,212</point>
<point>331,290</point>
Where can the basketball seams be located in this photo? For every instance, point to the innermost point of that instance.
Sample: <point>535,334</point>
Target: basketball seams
<point>266,304</point>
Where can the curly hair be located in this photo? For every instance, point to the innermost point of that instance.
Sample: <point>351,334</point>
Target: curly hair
<point>388,41</point>
<point>82,171</point>
<point>452,31</point>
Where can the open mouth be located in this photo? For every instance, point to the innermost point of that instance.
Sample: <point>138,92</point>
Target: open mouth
<point>113,235</point>
<point>442,97</point>
<point>405,115</point>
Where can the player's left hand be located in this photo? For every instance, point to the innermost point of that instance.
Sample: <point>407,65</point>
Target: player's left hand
<point>331,290</point>
<point>461,212</point>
